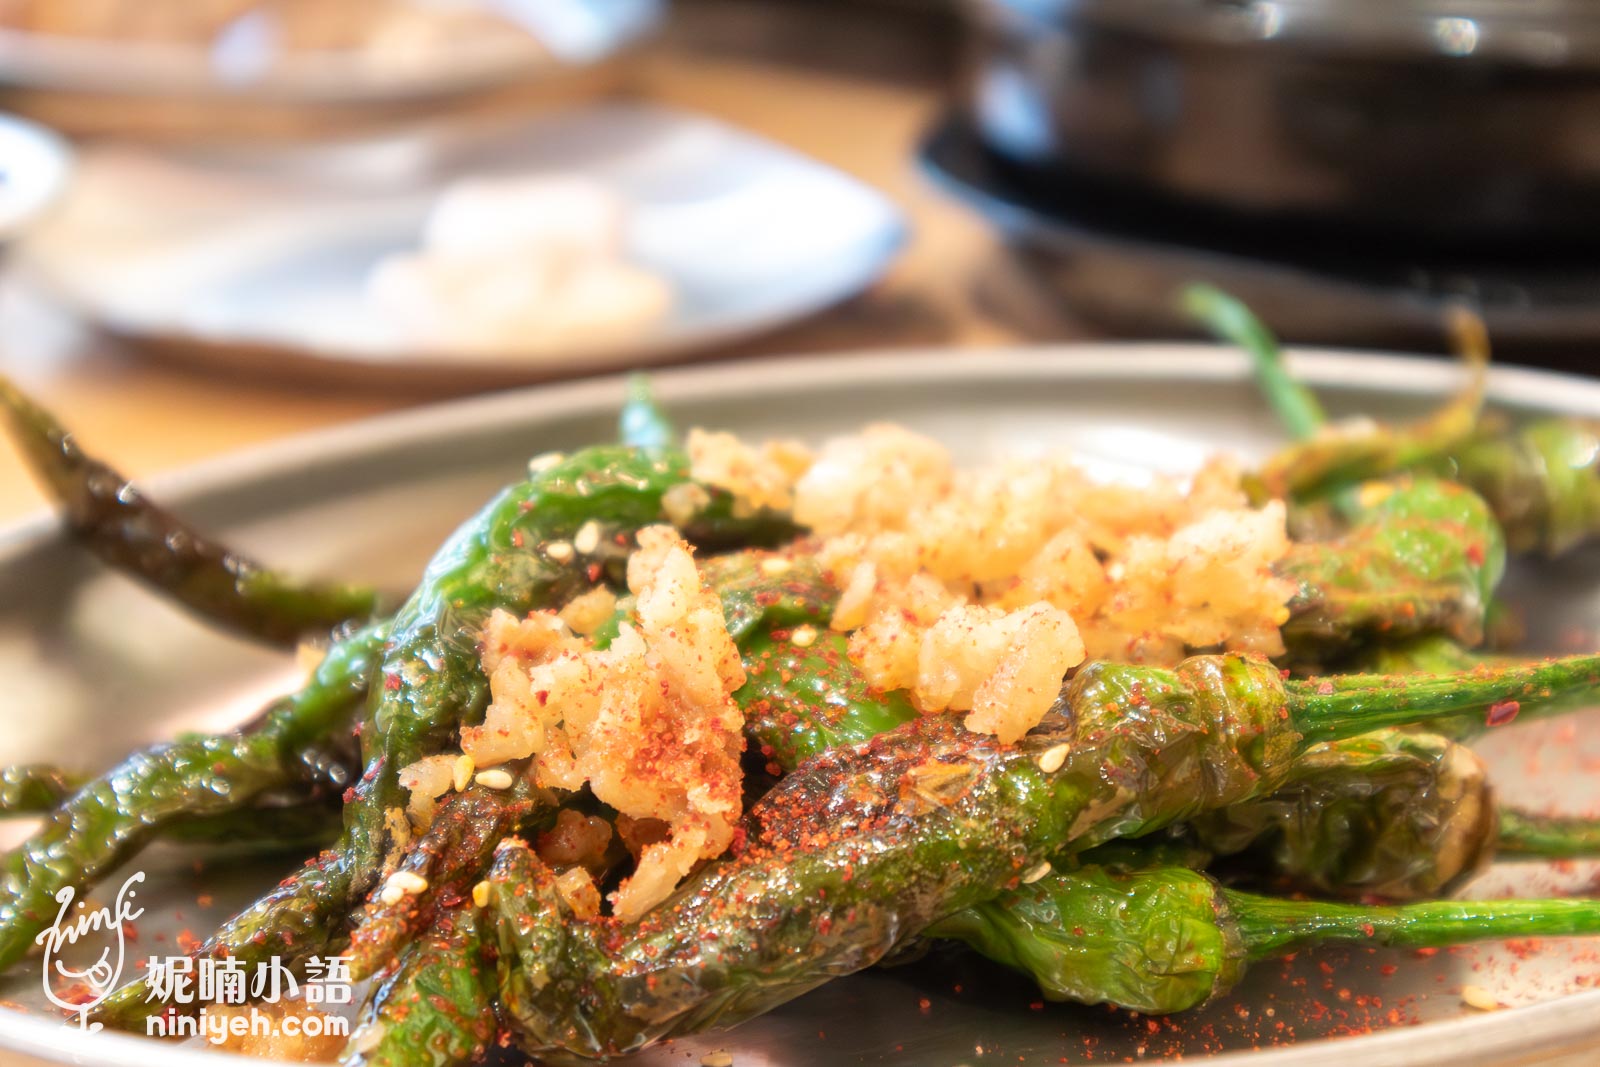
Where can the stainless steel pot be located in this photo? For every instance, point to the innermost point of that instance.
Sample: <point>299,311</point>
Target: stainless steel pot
<point>1463,121</point>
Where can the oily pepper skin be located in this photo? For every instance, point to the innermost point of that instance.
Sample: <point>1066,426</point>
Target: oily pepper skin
<point>111,816</point>
<point>436,1008</point>
<point>1169,939</point>
<point>450,857</point>
<point>1419,557</point>
<point>34,788</point>
<point>429,681</point>
<point>1541,480</point>
<point>862,848</point>
<point>1395,814</point>
<point>133,535</point>
<point>505,558</point>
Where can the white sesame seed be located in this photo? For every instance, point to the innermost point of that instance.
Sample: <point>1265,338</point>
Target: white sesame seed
<point>1036,873</point>
<point>368,1036</point>
<point>587,538</point>
<point>544,461</point>
<point>803,636</point>
<point>559,551</point>
<point>461,773</point>
<point>402,884</point>
<point>775,565</point>
<point>1475,996</point>
<point>1051,759</point>
<point>494,779</point>
<point>480,895</point>
<point>719,1058</point>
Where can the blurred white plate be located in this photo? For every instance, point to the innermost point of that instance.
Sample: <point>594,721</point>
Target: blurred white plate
<point>34,168</point>
<point>245,60</point>
<point>259,262</point>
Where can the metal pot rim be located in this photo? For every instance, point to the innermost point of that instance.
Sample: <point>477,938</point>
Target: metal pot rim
<point>1538,33</point>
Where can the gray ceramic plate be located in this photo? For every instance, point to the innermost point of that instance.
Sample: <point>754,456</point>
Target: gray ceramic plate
<point>256,259</point>
<point>91,666</point>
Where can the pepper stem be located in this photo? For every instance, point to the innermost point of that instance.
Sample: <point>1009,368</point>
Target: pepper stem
<point>1327,709</point>
<point>1271,926</point>
<point>1296,406</point>
<point>1548,836</point>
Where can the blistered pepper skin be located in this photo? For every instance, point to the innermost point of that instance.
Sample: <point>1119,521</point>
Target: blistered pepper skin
<point>436,1008</point>
<point>1155,941</point>
<point>862,848</point>
<point>1419,557</point>
<point>1165,939</point>
<point>428,680</point>
<point>1394,814</point>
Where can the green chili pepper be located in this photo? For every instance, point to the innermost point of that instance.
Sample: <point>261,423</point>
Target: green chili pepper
<point>1170,939</point>
<point>1542,480</point>
<point>800,702</point>
<point>130,533</point>
<point>862,848</point>
<point>453,854</point>
<point>300,826</point>
<point>507,557</point>
<point>435,1010</point>
<point>111,816</point>
<point>1393,813</point>
<point>1419,557</point>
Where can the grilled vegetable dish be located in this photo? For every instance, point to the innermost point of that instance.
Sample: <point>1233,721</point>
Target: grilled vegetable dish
<point>681,727</point>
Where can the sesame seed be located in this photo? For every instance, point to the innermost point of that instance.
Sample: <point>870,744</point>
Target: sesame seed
<point>1051,759</point>
<point>495,779</point>
<point>402,884</point>
<point>559,551</point>
<point>368,1036</point>
<point>803,636</point>
<point>775,565</point>
<point>1036,873</point>
<point>719,1058</point>
<point>480,895</point>
<point>1475,996</point>
<point>461,773</point>
<point>544,461</point>
<point>588,537</point>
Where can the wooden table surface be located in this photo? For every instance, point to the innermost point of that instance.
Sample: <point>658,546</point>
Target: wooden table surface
<point>148,417</point>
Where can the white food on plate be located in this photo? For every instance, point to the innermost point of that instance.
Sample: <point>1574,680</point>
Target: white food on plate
<point>512,266</point>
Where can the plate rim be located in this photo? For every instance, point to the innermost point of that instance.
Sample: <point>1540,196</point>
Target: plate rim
<point>1553,1027</point>
<point>155,71</point>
